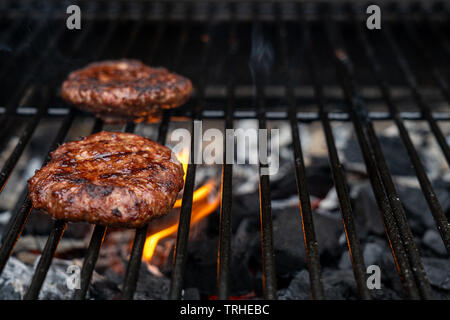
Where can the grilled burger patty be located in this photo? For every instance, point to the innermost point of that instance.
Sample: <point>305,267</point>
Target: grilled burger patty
<point>108,178</point>
<point>124,90</point>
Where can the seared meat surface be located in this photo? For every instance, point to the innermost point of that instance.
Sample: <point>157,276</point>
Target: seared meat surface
<point>125,90</point>
<point>108,178</point>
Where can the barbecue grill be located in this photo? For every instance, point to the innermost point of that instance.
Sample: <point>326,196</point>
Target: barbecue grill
<point>318,47</point>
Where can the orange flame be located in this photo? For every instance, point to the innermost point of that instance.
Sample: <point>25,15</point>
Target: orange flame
<point>183,157</point>
<point>202,206</point>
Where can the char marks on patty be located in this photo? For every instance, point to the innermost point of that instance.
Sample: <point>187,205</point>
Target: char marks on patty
<point>125,90</point>
<point>108,178</point>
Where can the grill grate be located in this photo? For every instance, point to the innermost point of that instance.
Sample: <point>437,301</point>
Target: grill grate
<point>214,19</point>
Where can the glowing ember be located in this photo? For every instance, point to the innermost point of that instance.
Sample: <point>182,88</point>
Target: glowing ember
<point>202,206</point>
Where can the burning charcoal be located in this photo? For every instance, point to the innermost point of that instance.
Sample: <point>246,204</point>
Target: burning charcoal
<point>416,207</point>
<point>40,223</point>
<point>191,294</point>
<point>339,284</point>
<point>102,288</point>
<point>245,244</point>
<point>243,280</point>
<point>319,177</point>
<point>288,241</point>
<point>16,278</point>
<point>330,202</point>
<point>351,155</point>
<point>151,287</point>
<point>385,294</point>
<point>201,265</point>
<point>366,212</point>
<point>328,227</point>
<point>438,272</point>
<point>28,245</point>
<point>288,238</point>
<point>433,241</point>
<point>298,289</point>
<point>245,179</point>
<point>377,253</point>
<point>429,151</point>
<point>4,220</point>
<point>285,186</point>
<point>389,276</point>
<point>245,206</point>
<point>399,165</point>
<point>345,262</point>
<point>373,252</point>
<point>15,186</point>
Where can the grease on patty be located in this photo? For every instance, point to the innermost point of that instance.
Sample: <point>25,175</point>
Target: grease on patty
<point>108,178</point>
<point>125,90</point>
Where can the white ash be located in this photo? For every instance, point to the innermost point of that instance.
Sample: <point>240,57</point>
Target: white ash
<point>17,276</point>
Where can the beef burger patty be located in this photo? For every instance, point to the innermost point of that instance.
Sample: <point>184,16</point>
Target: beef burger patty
<point>118,91</point>
<point>108,178</point>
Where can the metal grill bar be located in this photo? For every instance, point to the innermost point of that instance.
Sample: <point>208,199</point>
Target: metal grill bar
<point>20,219</point>
<point>132,273</point>
<point>60,226</point>
<point>180,250</point>
<point>89,262</point>
<point>24,84</point>
<point>311,245</point>
<point>45,260</point>
<point>50,249</point>
<point>95,244</point>
<point>100,231</point>
<point>224,251</point>
<point>339,178</point>
<point>25,136</point>
<point>27,133</point>
<point>428,191</point>
<point>302,116</point>
<point>11,105</point>
<point>19,53</point>
<point>409,261</point>
<point>268,259</point>
<point>426,55</point>
<point>412,84</point>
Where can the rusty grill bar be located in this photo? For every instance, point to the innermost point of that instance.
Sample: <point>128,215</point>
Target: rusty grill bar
<point>285,16</point>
